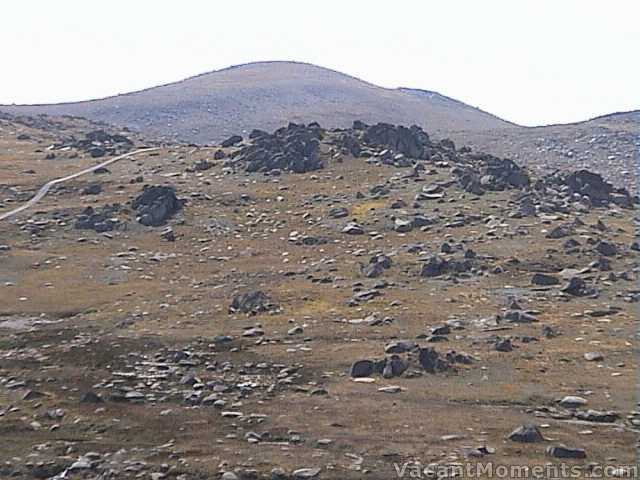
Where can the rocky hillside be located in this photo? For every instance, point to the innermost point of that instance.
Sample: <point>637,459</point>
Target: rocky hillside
<point>608,145</point>
<point>210,107</point>
<point>250,312</point>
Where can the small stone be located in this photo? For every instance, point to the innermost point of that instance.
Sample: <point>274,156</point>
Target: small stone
<point>390,389</point>
<point>402,225</point>
<point>597,416</point>
<point>542,279</point>
<point>32,395</point>
<point>353,228</point>
<point>230,414</point>
<point>278,474</point>
<point>503,345</point>
<point>573,402</point>
<point>134,396</point>
<point>210,399</point>
<point>549,332</point>
<point>562,451</point>
<point>295,330</point>
<point>526,434</point>
<point>81,464</point>
<point>304,473</point>
<point>607,249</point>
<point>253,332</point>
<point>338,212</point>
<point>593,357</point>
<point>400,347</point>
<point>362,368</point>
<point>91,397</point>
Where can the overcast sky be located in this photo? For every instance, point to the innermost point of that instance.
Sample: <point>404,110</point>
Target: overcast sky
<point>529,61</point>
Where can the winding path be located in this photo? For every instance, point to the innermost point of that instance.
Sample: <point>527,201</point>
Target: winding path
<point>47,186</point>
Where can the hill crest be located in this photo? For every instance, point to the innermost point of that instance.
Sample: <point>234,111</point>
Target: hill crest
<point>208,107</point>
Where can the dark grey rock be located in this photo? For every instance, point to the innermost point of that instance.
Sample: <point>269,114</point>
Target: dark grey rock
<point>543,279</point>
<point>400,347</point>
<point>577,287</point>
<point>93,189</point>
<point>607,249</point>
<point>562,451</point>
<point>431,361</point>
<point>503,345</point>
<point>526,434</point>
<point>91,397</point>
<point>156,204</point>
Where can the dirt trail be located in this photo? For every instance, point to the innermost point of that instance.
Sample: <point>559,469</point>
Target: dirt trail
<point>47,186</point>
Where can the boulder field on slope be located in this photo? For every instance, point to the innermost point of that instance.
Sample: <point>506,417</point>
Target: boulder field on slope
<point>303,313</point>
<point>297,148</point>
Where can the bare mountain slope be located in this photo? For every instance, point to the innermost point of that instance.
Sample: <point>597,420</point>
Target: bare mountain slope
<point>266,95</point>
<point>606,144</point>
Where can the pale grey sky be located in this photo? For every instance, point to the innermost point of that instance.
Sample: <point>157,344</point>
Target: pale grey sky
<point>528,61</point>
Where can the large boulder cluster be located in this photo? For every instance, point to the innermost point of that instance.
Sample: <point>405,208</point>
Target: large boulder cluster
<point>392,144</point>
<point>405,146</point>
<point>156,204</point>
<point>102,220</point>
<point>586,187</point>
<point>481,172</point>
<point>437,265</point>
<point>294,148</point>
<point>401,356</point>
<point>477,172</point>
<point>409,141</point>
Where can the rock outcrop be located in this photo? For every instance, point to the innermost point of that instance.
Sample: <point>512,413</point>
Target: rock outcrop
<point>156,204</point>
<point>294,148</point>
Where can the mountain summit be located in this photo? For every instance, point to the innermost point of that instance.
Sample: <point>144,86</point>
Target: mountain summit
<point>209,107</point>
